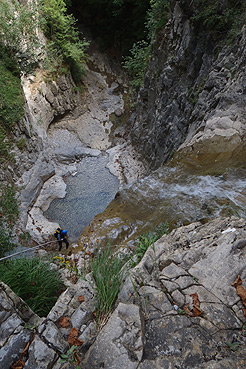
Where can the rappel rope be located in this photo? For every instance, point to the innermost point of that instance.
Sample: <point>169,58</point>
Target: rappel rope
<point>30,249</point>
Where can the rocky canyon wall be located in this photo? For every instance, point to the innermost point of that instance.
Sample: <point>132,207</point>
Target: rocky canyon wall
<point>194,87</point>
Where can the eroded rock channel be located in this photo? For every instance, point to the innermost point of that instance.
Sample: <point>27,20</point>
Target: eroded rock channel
<point>86,148</point>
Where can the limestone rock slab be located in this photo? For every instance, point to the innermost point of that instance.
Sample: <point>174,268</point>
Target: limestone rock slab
<point>120,342</point>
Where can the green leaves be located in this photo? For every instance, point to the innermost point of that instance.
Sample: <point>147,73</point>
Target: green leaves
<point>8,216</point>
<point>148,239</point>
<point>233,346</point>
<point>18,26</point>
<point>34,282</point>
<point>220,20</point>
<point>11,98</point>
<point>60,28</point>
<point>137,62</point>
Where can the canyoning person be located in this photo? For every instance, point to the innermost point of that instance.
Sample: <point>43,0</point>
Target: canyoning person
<point>61,235</point>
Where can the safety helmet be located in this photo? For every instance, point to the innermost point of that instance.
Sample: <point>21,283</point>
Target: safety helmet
<point>63,231</point>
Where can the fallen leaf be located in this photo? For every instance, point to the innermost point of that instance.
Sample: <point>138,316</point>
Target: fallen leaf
<point>81,298</point>
<point>73,338</point>
<point>237,281</point>
<point>241,291</point>
<point>187,310</point>
<point>64,322</point>
<point>197,311</point>
<point>195,298</point>
<point>196,305</point>
<point>18,365</point>
<point>26,348</point>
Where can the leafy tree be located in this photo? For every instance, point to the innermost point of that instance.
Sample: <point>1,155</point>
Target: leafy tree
<point>11,103</point>
<point>113,23</point>
<point>221,20</point>
<point>140,53</point>
<point>18,32</point>
<point>63,36</point>
<point>157,17</point>
<point>136,63</point>
<point>11,98</point>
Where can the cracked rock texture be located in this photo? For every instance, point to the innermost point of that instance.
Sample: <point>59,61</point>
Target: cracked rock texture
<point>153,325</point>
<point>192,96</point>
<point>196,259</point>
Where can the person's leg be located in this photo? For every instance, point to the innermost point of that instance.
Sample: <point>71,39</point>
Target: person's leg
<point>66,242</point>
<point>60,245</point>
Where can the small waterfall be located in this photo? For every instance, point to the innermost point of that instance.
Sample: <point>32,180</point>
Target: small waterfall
<point>173,195</point>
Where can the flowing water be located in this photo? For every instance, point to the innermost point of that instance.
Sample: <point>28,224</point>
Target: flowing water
<point>173,194</point>
<point>88,193</point>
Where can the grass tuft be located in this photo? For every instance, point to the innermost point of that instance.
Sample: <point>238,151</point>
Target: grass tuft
<point>33,281</point>
<point>148,239</point>
<point>107,271</point>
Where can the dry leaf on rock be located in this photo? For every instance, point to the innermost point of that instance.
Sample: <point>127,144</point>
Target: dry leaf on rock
<point>196,305</point>
<point>64,322</point>
<point>18,365</point>
<point>73,338</point>
<point>196,311</point>
<point>187,310</point>
<point>196,301</point>
<point>81,298</point>
<point>241,291</point>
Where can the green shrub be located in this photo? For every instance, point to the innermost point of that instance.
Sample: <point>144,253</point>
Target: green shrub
<point>11,98</point>
<point>18,25</point>
<point>64,41</point>
<point>5,146</point>
<point>8,204</point>
<point>34,282</point>
<point>6,243</point>
<point>221,19</point>
<point>21,144</point>
<point>137,62</point>
<point>157,17</point>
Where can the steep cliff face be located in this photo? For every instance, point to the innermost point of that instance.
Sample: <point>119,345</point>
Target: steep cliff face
<point>192,88</point>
